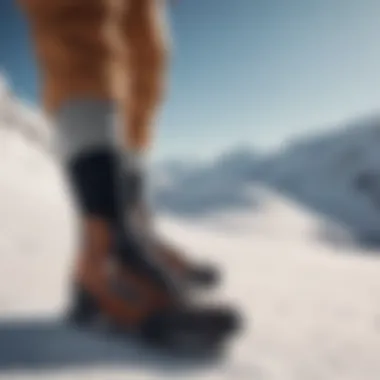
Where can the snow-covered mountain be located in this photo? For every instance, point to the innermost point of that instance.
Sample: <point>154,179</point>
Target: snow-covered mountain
<point>335,174</point>
<point>268,221</point>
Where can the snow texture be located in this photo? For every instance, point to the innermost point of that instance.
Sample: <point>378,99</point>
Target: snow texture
<point>291,232</point>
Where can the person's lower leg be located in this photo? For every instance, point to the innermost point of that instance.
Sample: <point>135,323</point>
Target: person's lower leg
<point>144,78</point>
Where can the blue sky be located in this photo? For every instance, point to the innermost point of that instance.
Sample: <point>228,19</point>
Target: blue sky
<point>247,71</point>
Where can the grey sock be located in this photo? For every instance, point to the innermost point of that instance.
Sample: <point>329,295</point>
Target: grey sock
<point>84,125</point>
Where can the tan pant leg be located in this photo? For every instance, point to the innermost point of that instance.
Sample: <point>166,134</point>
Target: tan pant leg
<point>70,48</point>
<point>142,49</point>
<point>144,38</point>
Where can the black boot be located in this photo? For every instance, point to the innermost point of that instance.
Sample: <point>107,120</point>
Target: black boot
<point>99,191</point>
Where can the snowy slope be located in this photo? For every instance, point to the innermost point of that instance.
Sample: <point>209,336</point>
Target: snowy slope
<point>311,313</point>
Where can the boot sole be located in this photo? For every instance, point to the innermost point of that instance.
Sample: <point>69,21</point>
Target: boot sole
<point>193,330</point>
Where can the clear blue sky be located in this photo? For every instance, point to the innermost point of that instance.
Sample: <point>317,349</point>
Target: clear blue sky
<point>247,71</point>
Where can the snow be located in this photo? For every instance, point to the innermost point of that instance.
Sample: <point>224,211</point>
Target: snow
<point>283,228</point>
